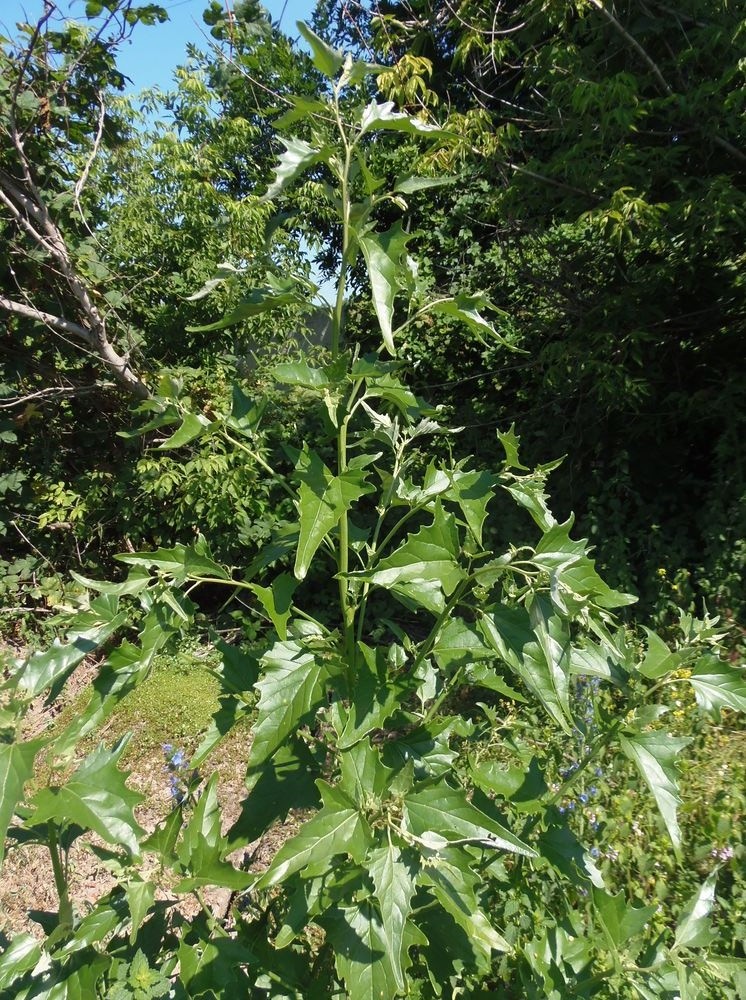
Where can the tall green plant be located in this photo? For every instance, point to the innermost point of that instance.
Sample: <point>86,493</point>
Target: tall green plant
<point>432,853</point>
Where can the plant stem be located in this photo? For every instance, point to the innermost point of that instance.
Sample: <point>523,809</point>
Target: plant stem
<point>60,882</point>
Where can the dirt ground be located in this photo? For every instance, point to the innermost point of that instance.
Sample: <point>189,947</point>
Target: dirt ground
<point>26,880</point>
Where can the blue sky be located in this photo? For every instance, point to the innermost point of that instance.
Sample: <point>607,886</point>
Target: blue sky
<point>153,52</point>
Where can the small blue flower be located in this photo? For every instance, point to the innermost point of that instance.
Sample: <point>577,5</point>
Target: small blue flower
<point>594,852</point>
<point>178,759</point>
<point>583,797</point>
<point>599,771</point>
<point>593,790</point>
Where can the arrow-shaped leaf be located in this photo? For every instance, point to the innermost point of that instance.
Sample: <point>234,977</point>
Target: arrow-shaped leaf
<point>654,755</point>
<point>360,953</point>
<point>95,797</point>
<point>694,929</point>
<point>439,807</point>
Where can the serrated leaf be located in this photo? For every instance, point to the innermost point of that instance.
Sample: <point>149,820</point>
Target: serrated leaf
<point>277,601</point>
<point>192,426</point>
<point>510,442</point>
<point>302,374</point>
<point>465,309</point>
<point>542,665</point>
<point>297,158</point>
<point>213,967</point>
<point>621,920</point>
<point>375,697</point>
<point>446,810</point>
<point>718,684</point>
<point>94,797</point>
<point>327,60</point>
<point>693,929</point>
<point>139,896</point>
<point>561,847</point>
<point>472,491</point>
<point>393,875</point>
<point>409,184</point>
<point>322,499</point>
<point>16,767</point>
<point>383,254</point>
<point>425,569</point>
<point>654,755</point>
<point>338,828</point>
<point>89,631</point>
<point>360,954</point>
<point>290,687</point>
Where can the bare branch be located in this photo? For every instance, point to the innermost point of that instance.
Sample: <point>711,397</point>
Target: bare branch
<point>632,41</point>
<point>81,181</point>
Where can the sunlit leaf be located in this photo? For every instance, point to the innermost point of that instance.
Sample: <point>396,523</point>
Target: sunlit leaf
<point>383,253</point>
<point>393,875</point>
<point>94,797</point>
<point>654,754</point>
<point>694,929</point>
<point>289,689</point>
<point>718,684</point>
<point>338,828</point>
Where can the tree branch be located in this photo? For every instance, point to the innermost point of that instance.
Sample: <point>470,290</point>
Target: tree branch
<point>118,363</point>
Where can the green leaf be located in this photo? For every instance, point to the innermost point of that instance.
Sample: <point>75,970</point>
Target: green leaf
<point>359,943</point>
<point>543,666</point>
<point>297,158</point>
<point>524,786</point>
<point>338,828</point>
<point>446,811</point>
<point>465,309</point>
<point>654,755</point>
<point>213,967</point>
<point>393,875</point>
<point>202,848</point>
<point>409,184</point>
<point>182,562</point>
<point>328,61</point>
<point>258,301</point>
<point>510,442</point>
<point>454,888</point>
<point>322,499</point>
<point>622,921</point>
<point>89,631</point>
<point>659,660</point>
<point>277,601</point>
<point>694,929</point>
<point>459,644</point>
<point>192,426</point>
<point>472,491</point>
<point>302,374</point>
<point>19,957</point>
<point>383,116</point>
<point>425,569</point>
<point>375,697</point>
<point>290,688</point>
<point>139,896</point>
<point>383,254</point>
<point>16,767</point>
<point>718,684</point>
<point>94,797</point>
<point>561,848</point>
